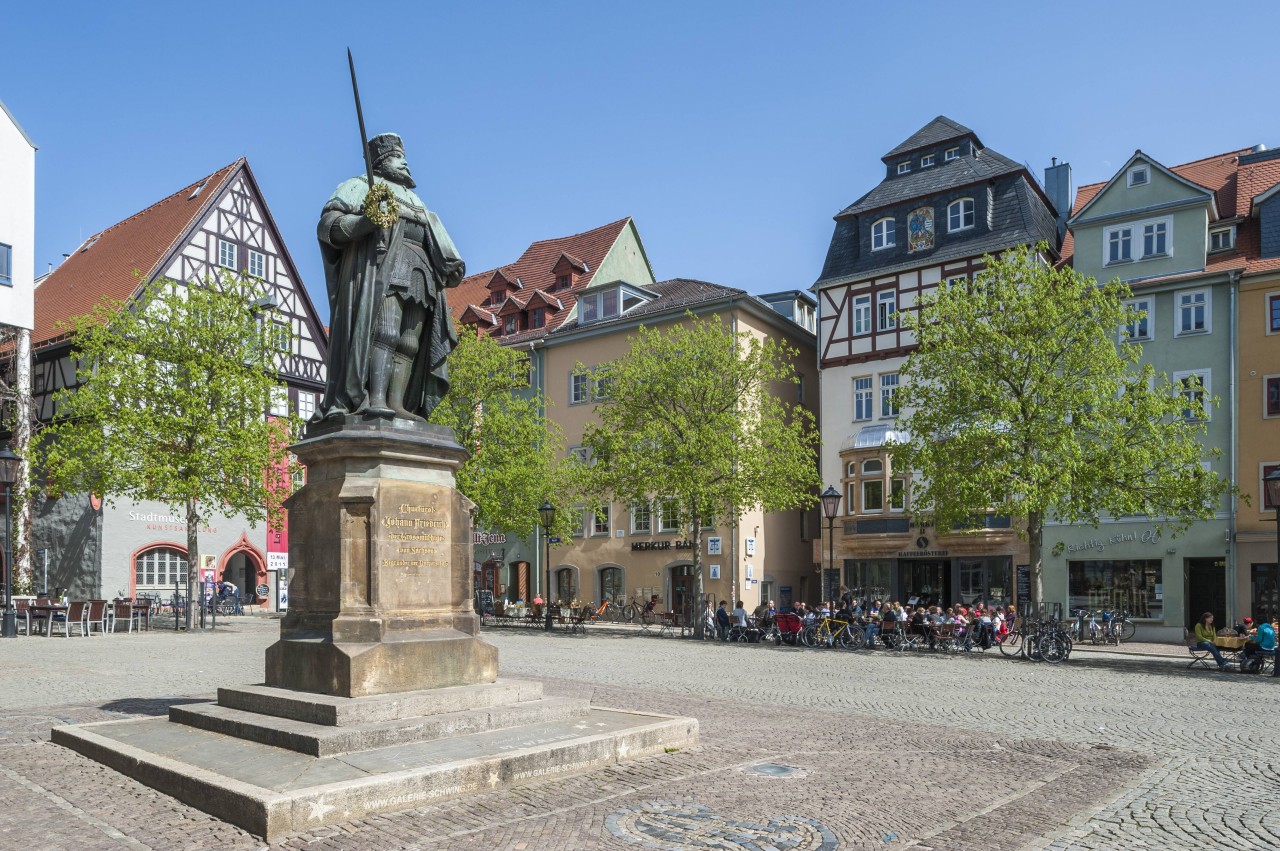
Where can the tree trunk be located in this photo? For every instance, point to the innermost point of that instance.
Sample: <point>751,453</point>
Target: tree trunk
<point>1035,538</point>
<point>21,569</point>
<point>695,611</point>
<point>195,588</point>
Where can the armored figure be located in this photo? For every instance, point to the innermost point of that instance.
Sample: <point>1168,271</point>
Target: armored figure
<point>390,330</point>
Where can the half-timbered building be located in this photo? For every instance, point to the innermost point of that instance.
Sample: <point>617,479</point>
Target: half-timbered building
<point>218,223</point>
<point>945,202</point>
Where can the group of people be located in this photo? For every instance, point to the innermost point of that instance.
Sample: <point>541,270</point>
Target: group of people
<point>982,625</point>
<point>1260,641</point>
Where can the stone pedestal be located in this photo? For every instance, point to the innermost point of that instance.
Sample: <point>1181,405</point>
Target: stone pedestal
<point>380,551</point>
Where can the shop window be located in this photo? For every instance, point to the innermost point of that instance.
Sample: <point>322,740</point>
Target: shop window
<point>611,585</point>
<point>162,568</point>
<point>1132,585</point>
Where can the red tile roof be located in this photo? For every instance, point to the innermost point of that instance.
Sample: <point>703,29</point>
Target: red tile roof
<point>1234,187</point>
<point>114,263</point>
<point>535,270</point>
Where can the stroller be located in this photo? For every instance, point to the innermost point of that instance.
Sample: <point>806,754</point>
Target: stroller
<point>786,628</point>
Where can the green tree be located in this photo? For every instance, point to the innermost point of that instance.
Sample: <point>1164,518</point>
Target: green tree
<point>693,415</point>
<point>514,448</point>
<point>174,388</point>
<point>1022,399</point>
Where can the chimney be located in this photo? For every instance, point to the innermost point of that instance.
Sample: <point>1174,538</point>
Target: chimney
<point>1057,185</point>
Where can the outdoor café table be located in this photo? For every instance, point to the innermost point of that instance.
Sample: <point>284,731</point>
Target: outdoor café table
<point>48,610</point>
<point>1232,647</point>
<point>670,620</point>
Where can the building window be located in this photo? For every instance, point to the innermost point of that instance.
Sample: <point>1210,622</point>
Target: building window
<point>562,282</point>
<point>590,307</point>
<point>576,514</point>
<point>668,516</point>
<point>582,454</point>
<point>1136,586</point>
<point>510,325</point>
<point>1140,328</point>
<point>1194,387</point>
<point>600,524</point>
<point>281,338</point>
<point>872,467</point>
<point>257,264</point>
<point>226,254</point>
<point>1139,175</point>
<point>163,567</point>
<point>537,317</point>
<point>872,496</point>
<point>1155,236</point>
<point>887,304</point>
<point>851,498</point>
<point>6,265</point>
<point>1273,313</point>
<point>800,389</point>
<point>641,518</point>
<point>950,154</point>
<point>850,470</point>
<point>600,389</point>
<point>579,384</point>
<point>611,585</point>
<point>889,394</point>
<point>280,401</point>
<point>1193,312</point>
<point>1222,239</point>
<point>903,168</point>
<point>1119,245</point>
<point>898,495</point>
<point>862,403</point>
<point>862,314</point>
<point>306,404</point>
<point>960,215</point>
<point>1271,386</point>
<point>1266,470</point>
<point>497,298</point>
<point>926,161</point>
<point>882,234</point>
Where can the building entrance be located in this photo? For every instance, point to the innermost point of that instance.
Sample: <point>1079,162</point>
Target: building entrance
<point>924,582</point>
<point>682,590</point>
<point>1265,604</point>
<point>1206,591</point>
<point>984,580</point>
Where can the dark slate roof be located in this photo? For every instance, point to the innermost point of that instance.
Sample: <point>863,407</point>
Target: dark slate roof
<point>670,295</point>
<point>974,167</point>
<point>1021,217</point>
<point>937,131</point>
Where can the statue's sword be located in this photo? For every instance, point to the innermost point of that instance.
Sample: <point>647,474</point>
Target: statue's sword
<point>364,139</point>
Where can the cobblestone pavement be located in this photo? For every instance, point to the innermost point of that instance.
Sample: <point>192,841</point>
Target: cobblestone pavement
<point>1105,752</point>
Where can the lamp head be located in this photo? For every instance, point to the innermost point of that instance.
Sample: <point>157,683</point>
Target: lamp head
<point>830,502</point>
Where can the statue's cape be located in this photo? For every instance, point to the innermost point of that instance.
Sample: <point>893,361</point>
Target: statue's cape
<point>355,278</point>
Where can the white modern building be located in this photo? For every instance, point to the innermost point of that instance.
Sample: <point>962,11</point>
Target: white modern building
<point>17,222</point>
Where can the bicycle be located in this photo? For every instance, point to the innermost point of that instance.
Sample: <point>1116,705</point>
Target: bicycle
<point>608,611</point>
<point>830,632</point>
<point>639,610</point>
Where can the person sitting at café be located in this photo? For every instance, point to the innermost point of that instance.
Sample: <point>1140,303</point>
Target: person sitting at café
<point>1262,642</point>
<point>722,621</point>
<point>1205,634</point>
<point>739,615</point>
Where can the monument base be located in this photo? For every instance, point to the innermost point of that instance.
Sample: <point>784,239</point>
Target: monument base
<point>275,762</point>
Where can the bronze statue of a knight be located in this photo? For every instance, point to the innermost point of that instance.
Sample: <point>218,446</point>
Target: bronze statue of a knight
<point>390,329</point>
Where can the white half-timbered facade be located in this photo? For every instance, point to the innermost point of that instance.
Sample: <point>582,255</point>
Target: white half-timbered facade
<point>945,202</point>
<point>218,224</point>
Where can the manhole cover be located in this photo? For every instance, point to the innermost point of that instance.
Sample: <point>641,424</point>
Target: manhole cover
<point>686,826</point>
<point>772,769</point>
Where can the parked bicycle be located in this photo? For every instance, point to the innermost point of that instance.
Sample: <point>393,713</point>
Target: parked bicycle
<point>833,632</point>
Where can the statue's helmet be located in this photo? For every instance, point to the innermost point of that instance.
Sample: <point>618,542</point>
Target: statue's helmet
<point>385,145</point>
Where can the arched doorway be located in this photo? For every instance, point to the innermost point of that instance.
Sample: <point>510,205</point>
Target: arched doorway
<point>246,568</point>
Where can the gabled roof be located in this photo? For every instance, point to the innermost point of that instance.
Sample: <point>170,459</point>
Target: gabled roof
<point>572,261</point>
<point>540,298</point>
<point>116,262</point>
<point>474,315</point>
<point>1235,178</point>
<point>536,271</point>
<point>670,295</point>
<point>937,131</point>
<point>513,304</point>
<point>1172,174</point>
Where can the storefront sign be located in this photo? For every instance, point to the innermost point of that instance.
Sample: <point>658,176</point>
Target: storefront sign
<point>1024,584</point>
<point>165,522</point>
<point>484,539</point>
<point>650,545</point>
<point>921,553</point>
<point>1146,536</point>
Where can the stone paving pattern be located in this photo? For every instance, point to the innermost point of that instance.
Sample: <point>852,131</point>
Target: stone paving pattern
<point>1105,752</point>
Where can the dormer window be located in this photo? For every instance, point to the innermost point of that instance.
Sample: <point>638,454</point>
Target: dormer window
<point>950,154</point>
<point>1139,175</point>
<point>603,303</point>
<point>497,298</point>
<point>1222,239</point>
<point>903,168</point>
<point>537,317</point>
<point>926,161</point>
<point>960,215</point>
<point>510,325</point>
<point>563,282</point>
<point>882,234</point>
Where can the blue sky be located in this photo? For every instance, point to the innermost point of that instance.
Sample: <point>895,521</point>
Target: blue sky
<point>731,131</point>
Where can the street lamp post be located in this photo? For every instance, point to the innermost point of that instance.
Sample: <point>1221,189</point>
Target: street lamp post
<point>10,467</point>
<point>1272,483</point>
<point>830,508</point>
<point>547,515</point>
